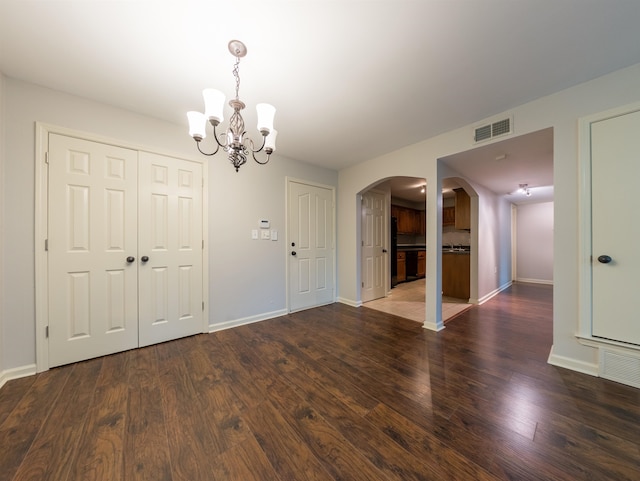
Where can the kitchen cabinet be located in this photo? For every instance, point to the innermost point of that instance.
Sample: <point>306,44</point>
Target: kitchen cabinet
<point>462,210</point>
<point>410,221</point>
<point>456,276</point>
<point>448,216</point>
<point>401,261</point>
<point>422,264</point>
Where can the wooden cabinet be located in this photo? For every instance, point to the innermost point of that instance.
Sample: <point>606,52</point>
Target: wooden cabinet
<point>448,216</point>
<point>401,260</point>
<point>456,275</point>
<point>462,210</point>
<point>410,221</point>
<point>422,264</point>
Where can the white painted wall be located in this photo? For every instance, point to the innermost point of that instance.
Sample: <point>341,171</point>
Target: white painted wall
<point>560,111</point>
<point>534,241</point>
<point>246,278</point>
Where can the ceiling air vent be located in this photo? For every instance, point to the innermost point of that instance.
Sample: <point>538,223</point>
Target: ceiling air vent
<point>495,129</point>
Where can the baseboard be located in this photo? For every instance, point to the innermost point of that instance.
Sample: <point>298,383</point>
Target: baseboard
<point>493,293</point>
<point>16,373</point>
<point>535,281</point>
<point>349,302</point>
<point>432,326</point>
<point>591,369</point>
<point>221,326</point>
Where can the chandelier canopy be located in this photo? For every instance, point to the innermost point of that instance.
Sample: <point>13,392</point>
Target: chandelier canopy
<point>234,140</point>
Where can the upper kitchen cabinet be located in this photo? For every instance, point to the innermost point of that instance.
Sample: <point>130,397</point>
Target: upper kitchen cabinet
<point>410,221</point>
<point>448,216</point>
<point>462,210</point>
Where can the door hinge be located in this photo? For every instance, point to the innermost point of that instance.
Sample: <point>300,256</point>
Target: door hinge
<point>363,284</point>
<point>202,244</point>
<point>46,157</point>
<point>203,305</point>
<point>46,332</point>
<point>46,244</point>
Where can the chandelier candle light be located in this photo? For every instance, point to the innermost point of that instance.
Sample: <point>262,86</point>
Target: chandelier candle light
<point>234,141</point>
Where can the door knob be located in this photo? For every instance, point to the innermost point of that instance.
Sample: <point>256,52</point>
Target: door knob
<point>384,251</point>
<point>144,258</point>
<point>604,259</point>
<point>293,253</point>
<point>130,259</point>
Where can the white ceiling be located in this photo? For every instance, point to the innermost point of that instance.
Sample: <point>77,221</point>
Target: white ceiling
<point>351,79</point>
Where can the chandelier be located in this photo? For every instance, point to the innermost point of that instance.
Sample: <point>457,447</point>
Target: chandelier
<point>234,141</point>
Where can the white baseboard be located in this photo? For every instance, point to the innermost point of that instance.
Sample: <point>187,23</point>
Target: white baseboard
<point>432,326</point>
<point>493,293</point>
<point>16,373</point>
<point>246,320</point>
<point>591,369</point>
<point>349,302</point>
<point>535,281</point>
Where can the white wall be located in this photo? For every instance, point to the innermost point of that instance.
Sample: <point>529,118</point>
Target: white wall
<point>560,111</point>
<point>534,241</point>
<point>246,278</point>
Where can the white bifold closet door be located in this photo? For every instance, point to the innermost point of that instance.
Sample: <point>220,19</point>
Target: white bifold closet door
<point>125,249</point>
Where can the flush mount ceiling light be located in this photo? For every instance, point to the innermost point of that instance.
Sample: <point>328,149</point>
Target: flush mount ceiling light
<point>524,189</point>
<point>234,140</point>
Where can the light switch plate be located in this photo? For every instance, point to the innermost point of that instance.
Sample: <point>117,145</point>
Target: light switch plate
<point>274,235</point>
<point>254,234</point>
<point>265,234</point>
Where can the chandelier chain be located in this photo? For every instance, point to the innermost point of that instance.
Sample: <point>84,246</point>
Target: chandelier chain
<point>236,74</point>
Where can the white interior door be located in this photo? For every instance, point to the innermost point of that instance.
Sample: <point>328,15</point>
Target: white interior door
<point>311,246</point>
<point>373,242</point>
<point>170,248</point>
<point>93,308</point>
<point>615,170</point>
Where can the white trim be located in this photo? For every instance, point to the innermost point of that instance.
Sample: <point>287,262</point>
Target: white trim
<point>585,295</point>
<point>591,369</point>
<point>41,226</point>
<point>288,181</point>
<point>3,202</point>
<point>349,302</point>
<point>221,326</point>
<point>493,293</point>
<point>601,342</point>
<point>535,281</point>
<point>16,373</point>
<point>436,327</point>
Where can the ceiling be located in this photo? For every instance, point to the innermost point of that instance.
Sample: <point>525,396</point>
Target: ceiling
<point>351,79</point>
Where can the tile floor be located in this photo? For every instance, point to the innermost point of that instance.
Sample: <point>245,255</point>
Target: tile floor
<point>407,300</point>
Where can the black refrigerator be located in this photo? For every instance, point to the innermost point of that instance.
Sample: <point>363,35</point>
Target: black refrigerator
<point>394,251</point>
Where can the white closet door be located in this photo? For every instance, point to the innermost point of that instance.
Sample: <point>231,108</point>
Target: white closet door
<point>93,308</point>
<point>615,170</point>
<point>170,236</point>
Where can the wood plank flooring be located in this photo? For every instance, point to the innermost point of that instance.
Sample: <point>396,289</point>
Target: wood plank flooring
<point>333,393</point>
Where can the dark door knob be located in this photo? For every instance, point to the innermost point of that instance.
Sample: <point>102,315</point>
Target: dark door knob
<point>293,244</point>
<point>293,253</point>
<point>384,251</point>
<point>130,259</point>
<point>144,258</point>
<point>604,259</point>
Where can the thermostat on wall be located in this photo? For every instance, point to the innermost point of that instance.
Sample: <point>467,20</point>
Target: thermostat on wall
<point>264,224</point>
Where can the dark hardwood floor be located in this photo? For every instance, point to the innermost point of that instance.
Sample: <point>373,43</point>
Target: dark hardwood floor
<point>333,393</point>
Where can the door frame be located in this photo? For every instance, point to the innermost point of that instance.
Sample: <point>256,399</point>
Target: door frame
<point>41,227</point>
<point>288,181</point>
<point>585,265</point>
